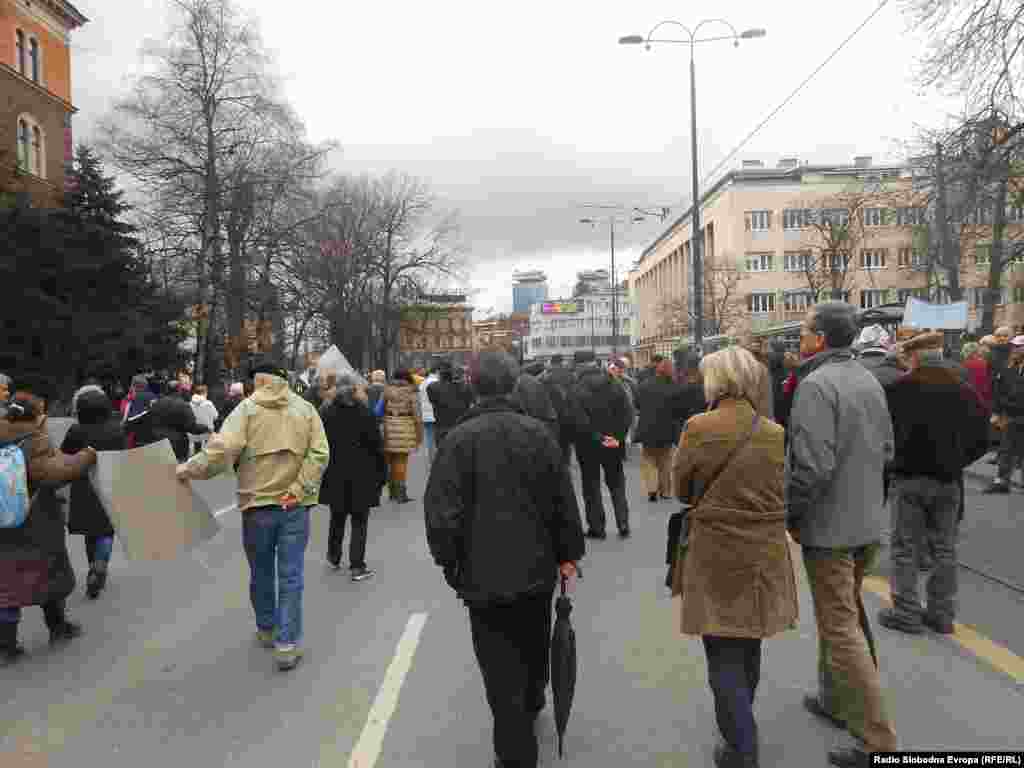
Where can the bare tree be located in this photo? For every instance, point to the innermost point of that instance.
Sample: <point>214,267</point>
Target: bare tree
<point>723,309</point>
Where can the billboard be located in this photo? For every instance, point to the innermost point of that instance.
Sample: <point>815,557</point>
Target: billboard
<point>560,308</point>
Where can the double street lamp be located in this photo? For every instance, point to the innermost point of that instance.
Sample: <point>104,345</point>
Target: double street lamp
<point>695,241</point>
<point>615,286</point>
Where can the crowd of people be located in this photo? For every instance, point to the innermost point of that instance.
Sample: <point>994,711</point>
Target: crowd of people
<point>830,449</point>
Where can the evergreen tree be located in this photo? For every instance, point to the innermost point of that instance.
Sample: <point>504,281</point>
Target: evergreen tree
<point>80,302</point>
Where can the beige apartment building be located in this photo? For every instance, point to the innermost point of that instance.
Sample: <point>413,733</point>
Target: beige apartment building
<point>762,225</point>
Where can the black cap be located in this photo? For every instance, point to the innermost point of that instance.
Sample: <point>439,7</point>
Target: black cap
<point>270,367</point>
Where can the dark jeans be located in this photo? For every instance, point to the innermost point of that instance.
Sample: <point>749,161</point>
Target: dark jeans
<point>336,536</point>
<point>594,457</point>
<point>1011,450</point>
<point>924,511</point>
<point>734,671</point>
<point>512,642</point>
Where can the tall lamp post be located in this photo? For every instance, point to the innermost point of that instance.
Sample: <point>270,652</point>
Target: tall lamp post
<point>695,237</point>
<point>615,286</point>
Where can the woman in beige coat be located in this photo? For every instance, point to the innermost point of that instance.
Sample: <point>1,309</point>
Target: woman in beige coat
<point>403,431</point>
<point>735,576</point>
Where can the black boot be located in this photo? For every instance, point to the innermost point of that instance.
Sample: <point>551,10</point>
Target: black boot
<point>403,493</point>
<point>61,629</point>
<point>96,581</point>
<point>10,649</point>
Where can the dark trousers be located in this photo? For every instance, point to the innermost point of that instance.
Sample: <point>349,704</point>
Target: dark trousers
<point>512,642</point>
<point>593,457</point>
<point>360,515</point>
<point>565,443</point>
<point>1011,450</point>
<point>734,671</point>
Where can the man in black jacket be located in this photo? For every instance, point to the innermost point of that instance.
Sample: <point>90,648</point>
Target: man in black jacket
<point>450,400</point>
<point>560,382</point>
<point>604,416</point>
<point>535,398</point>
<point>940,428</point>
<point>502,521</point>
<point>1008,415</point>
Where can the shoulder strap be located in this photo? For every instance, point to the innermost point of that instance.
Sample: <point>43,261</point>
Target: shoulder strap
<point>729,459</point>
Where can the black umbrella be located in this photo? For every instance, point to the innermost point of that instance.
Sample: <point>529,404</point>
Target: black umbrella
<point>563,663</point>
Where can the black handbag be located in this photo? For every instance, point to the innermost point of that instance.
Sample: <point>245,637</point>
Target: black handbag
<point>679,522</point>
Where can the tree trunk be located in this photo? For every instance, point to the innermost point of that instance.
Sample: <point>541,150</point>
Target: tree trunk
<point>949,256</point>
<point>996,258</point>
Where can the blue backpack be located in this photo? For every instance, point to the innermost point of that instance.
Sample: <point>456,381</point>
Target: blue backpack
<point>14,498</point>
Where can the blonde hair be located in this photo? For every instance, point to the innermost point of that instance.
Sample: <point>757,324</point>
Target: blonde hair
<point>732,372</point>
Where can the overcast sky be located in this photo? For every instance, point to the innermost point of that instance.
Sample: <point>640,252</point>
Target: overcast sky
<point>517,114</point>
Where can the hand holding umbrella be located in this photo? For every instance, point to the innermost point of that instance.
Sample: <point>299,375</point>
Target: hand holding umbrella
<point>563,655</point>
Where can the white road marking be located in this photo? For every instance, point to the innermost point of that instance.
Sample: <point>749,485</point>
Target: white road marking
<point>367,749</point>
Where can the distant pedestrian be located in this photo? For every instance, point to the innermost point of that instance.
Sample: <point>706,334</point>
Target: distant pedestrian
<point>281,450</point>
<point>561,384</point>
<point>403,431</point>
<point>99,428</point>
<point>605,415</point>
<point>940,428</point>
<point>450,400</point>
<point>663,410</point>
<point>206,414</point>
<point>736,578</point>
<point>1008,416</point>
<point>841,439</point>
<point>503,523</point>
<point>975,360</point>
<point>427,411</point>
<point>355,474</point>
<point>535,398</point>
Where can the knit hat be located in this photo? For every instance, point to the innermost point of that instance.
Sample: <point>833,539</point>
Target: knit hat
<point>1017,341</point>
<point>873,337</point>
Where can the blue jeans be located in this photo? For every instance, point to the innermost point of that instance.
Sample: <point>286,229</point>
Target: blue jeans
<point>99,548</point>
<point>276,537</point>
<point>428,439</point>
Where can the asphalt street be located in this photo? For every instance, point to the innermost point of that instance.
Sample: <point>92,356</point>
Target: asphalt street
<point>168,673</point>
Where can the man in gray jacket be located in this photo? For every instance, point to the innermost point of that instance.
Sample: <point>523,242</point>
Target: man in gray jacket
<point>841,438</point>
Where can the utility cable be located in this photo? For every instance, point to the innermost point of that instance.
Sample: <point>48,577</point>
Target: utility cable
<point>795,91</point>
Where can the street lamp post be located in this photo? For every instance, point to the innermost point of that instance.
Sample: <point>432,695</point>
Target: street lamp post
<point>615,285</point>
<point>697,268</point>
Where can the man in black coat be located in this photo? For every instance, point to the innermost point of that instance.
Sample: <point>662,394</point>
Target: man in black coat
<point>664,408</point>
<point>604,416</point>
<point>169,417</point>
<point>535,398</point>
<point>449,398</point>
<point>502,521</point>
<point>1008,415</point>
<point>940,428</point>
<point>560,383</point>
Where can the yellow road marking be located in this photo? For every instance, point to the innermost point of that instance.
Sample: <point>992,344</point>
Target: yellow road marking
<point>992,653</point>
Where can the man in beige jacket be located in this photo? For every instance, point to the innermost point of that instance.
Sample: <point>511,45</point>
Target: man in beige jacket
<point>278,442</point>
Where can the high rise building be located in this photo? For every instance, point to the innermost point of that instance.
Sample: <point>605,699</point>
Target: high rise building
<point>529,288</point>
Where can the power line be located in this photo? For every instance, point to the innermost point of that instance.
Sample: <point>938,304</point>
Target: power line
<point>796,91</point>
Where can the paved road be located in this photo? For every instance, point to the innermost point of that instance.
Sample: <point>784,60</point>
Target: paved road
<point>168,674</point>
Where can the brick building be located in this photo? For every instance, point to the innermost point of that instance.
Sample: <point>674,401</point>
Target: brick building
<point>36,144</point>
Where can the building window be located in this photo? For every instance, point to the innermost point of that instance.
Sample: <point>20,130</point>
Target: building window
<point>761,303</point>
<point>874,217</point>
<point>759,262</point>
<point>909,217</point>
<point>796,218</point>
<point>904,257</point>
<point>796,261</point>
<point>1018,294</point>
<point>838,217</point>
<point>19,44</point>
<point>872,298</point>
<point>1015,214</point>
<point>33,47</point>
<point>836,261</point>
<point>759,220</point>
<point>982,255</point>
<point>798,301</point>
<point>872,259</point>
<point>37,149</point>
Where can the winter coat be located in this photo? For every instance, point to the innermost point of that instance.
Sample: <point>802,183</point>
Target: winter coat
<point>277,441</point>
<point>1008,393</point>
<point>450,402</point>
<point>357,469</point>
<point>737,577</point>
<point>560,384</point>
<point>501,512</point>
<point>883,366</point>
<point>764,401</point>
<point>664,407</point>
<point>205,412</point>
<point>34,563</point>
<point>601,405</point>
<point>403,424</point>
<point>169,418</point>
<point>374,392</point>
<point>97,428</point>
<point>426,408</point>
<point>930,446</point>
<point>981,380</point>
<point>535,400</point>
<point>841,438</point>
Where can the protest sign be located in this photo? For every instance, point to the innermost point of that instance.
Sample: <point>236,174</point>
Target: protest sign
<point>156,516</point>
